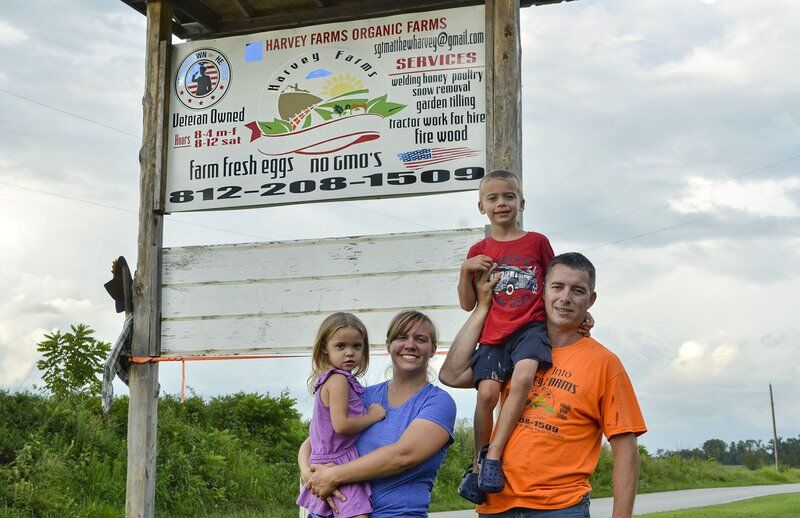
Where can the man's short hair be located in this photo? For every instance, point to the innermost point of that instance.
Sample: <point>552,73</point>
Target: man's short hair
<point>576,261</point>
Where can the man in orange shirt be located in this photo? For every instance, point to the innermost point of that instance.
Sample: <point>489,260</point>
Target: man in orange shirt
<point>584,395</point>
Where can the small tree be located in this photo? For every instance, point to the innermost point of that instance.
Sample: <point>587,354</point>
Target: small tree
<point>72,361</point>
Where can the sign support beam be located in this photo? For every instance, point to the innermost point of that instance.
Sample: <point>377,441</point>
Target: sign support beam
<point>503,88</point>
<point>143,406</point>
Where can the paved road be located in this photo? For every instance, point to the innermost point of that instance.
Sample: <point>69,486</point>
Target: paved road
<point>669,501</point>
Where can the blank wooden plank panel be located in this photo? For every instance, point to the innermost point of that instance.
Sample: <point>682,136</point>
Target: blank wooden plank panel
<point>271,297</point>
<point>283,334</point>
<point>350,293</point>
<point>417,251</point>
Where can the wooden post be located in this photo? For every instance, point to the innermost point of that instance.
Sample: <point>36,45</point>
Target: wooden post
<point>503,94</point>
<point>774,428</point>
<point>143,406</point>
<point>503,88</point>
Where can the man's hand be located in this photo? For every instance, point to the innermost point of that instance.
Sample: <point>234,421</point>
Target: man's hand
<point>587,325</point>
<point>484,286</point>
<point>479,263</point>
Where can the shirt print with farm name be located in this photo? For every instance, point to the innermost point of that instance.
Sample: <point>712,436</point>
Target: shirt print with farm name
<point>550,402</point>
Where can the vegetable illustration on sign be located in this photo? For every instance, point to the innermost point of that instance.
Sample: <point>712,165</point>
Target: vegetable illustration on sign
<point>323,111</point>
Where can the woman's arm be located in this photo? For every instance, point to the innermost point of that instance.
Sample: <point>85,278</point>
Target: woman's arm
<point>419,442</point>
<point>303,454</point>
<point>339,397</point>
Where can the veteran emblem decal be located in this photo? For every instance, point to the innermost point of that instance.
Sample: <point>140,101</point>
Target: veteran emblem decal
<point>203,78</point>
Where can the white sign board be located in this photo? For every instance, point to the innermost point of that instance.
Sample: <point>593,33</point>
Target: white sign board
<point>393,106</point>
<point>271,297</point>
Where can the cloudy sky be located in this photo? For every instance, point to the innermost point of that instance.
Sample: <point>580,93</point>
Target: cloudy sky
<point>662,139</point>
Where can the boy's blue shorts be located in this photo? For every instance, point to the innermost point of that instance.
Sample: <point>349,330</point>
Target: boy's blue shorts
<point>496,362</point>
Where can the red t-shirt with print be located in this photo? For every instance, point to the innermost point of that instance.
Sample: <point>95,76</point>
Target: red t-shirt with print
<point>517,296</point>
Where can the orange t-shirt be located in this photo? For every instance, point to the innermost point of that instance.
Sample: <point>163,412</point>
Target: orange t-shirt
<point>554,448</point>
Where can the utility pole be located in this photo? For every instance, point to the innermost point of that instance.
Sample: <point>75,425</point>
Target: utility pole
<point>774,430</point>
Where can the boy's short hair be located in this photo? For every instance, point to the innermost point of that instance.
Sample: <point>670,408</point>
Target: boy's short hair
<point>500,174</point>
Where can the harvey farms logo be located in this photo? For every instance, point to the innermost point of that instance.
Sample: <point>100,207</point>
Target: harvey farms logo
<point>321,103</point>
<point>203,79</point>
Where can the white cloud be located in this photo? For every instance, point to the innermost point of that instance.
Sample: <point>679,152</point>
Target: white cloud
<point>698,358</point>
<point>751,49</point>
<point>69,305</point>
<point>711,196</point>
<point>705,61</point>
<point>690,353</point>
<point>10,35</point>
<point>623,101</point>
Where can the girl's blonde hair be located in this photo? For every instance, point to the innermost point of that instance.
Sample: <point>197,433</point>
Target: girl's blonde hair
<point>319,355</point>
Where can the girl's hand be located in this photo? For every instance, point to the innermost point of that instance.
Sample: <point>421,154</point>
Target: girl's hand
<point>479,263</point>
<point>376,411</point>
<point>587,325</point>
<point>332,500</point>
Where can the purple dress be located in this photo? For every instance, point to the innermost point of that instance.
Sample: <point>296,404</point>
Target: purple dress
<point>328,446</point>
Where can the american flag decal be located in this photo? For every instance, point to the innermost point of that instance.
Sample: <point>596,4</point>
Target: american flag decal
<point>424,157</point>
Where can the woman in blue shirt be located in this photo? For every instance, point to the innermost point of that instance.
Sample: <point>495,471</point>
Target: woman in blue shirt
<point>401,454</point>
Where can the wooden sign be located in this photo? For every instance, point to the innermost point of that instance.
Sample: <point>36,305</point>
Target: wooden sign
<point>393,106</point>
<point>271,297</point>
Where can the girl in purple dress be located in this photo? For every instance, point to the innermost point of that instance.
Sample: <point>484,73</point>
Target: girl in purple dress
<point>340,354</point>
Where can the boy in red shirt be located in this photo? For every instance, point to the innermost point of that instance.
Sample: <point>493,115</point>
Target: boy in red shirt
<point>514,343</point>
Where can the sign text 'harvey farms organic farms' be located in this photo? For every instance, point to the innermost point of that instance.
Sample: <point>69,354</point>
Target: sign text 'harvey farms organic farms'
<point>364,109</point>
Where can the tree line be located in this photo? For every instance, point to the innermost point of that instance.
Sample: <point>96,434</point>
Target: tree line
<point>751,453</point>
<point>61,456</point>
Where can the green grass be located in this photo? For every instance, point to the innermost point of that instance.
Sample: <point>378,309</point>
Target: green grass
<point>655,475</point>
<point>674,473</point>
<point>233,454</point>
<point>775,506</point>
<point>444,496</point>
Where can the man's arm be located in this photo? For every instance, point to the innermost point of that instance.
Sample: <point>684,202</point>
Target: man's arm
<point>626,473</point>
<point>467,296</point>
<point>456,371</point>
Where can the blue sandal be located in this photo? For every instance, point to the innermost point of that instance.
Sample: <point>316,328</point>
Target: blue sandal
<point>469,489</point>
<point>491,478</point>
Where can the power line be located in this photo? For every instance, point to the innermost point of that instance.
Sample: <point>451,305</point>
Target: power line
<point>25,379</point>
<point>131,211</point>
<point>81,117</point>
<point>689,222</point>
<point>388,216</point>
<point>649,375</point>
<point>630,211</point>
<point>671,198</point>
<point>138,137</point>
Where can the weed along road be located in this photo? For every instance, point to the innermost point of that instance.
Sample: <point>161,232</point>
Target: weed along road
<point>670,500</point>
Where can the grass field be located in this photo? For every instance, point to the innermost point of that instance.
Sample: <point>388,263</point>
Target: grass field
<point>775,506</point>
<point>233,456</point>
